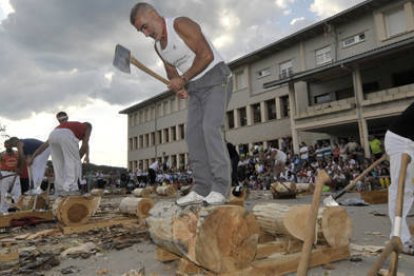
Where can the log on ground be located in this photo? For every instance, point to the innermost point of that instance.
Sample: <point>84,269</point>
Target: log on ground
<point>334,223</point>
<point>217,238</point>
<point>142,192</point>
<point>166,190</point>
<point>74,210</point>
<point>139,207</point>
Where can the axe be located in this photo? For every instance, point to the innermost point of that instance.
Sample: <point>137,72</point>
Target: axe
<point>123,58</point>
<point>331,200</point>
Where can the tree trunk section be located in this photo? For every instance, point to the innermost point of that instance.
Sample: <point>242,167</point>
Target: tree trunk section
<point>139,207</point>
<point>142,192</point>
<point>334,223</point>
<point>166,190</point>
<point>75,210</point>
<point>219,238</point>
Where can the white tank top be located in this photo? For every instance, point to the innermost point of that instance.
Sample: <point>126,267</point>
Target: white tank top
<point>178,54</point>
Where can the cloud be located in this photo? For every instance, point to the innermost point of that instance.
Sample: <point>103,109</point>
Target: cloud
<point>296,20</point>
<point>284,3</point>
<point>326,8</point>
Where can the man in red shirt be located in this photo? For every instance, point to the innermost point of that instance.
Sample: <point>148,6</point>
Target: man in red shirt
<point>10,166</point>
<point>66,154</point>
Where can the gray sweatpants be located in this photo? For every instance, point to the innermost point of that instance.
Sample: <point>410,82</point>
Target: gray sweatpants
<point>208,156</point>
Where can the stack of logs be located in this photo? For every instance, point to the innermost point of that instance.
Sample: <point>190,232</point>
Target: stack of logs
<point>228,240</point>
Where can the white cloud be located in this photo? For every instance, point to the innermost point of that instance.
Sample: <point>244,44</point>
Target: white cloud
<point>5,9</point>
<point>284,3</point>
<point>296,20</point>
<point>326,8</point>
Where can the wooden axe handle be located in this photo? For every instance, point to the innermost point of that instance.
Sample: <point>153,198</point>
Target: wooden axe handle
<point>359,177</point>
<point>144,68</point>
<point>303,266</point>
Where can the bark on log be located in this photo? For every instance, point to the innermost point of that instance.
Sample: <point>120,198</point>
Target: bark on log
<point>75,210</point>
<point>26,202</point>
<point>218,238</point>
<point>139,207</point>
<point>334,223</point>
<point>142,192</point>
<point>166,190</point>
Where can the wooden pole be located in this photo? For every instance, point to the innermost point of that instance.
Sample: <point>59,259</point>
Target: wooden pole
<point>321,179</point>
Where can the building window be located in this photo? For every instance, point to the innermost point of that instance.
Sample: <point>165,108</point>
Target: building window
<point>256,113</point>
<point>285,69</point>
<point>130,144</point>
<point>141,141</point>
<point>323,55</point>
<point>153,142</point>
<point>230,119</point>
<point>182,131</point>
<point>284,106</point>
<point>324,98</point>
<point>159,110</point>
<point>173,133</point>
<point>173,103</point>
<point>240,80</point>
<point>263,73</point>
<point>166,135</point>
<point>394,21</point>
<point>353,40</point>
<point>159,137</point>
<point>242,115</point>
<point>147,140</point>
<point>270,109</point>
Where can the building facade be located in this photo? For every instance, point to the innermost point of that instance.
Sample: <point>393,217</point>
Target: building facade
<point>346,76</point>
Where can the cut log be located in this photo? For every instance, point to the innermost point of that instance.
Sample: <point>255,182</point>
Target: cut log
<point>142,192</point>
<point>139,207</point>
<point>238,196</point>
<point>375,197</point>
<point>75,210</point>
<point>218,238</point>
<point>97,192</point>
<point>305,188</point>
<point>26,202</point>
<point>334,223</point>
<point>290,189</point>
<point>166,190</point>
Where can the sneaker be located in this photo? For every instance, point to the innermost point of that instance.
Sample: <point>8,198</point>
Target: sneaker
<point>408,249</point>
<point>191,198</point>
<point>215,198</point>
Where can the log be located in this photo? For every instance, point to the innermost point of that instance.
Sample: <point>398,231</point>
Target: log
<point>334,223</point>
<point>217,238</point>
<point>75,210</point>
<point>166,190</point>
<point>305,188</point>
<point>238,196</point>
<point>139,207</point>
<point>97,192</point>
<point>143,192</point>
<point>279,189</point>
<point>26,202</point>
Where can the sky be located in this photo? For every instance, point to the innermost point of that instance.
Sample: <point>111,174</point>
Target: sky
<point>57,55</point>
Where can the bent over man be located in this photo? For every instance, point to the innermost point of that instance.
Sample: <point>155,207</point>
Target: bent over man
<point>195,69</point>
<point>66,155</point>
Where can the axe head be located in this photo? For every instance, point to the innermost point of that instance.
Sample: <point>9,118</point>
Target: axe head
<point>122,59</point>
<point>330,202</point>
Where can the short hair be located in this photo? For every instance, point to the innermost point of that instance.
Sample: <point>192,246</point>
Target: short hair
<point>13,140</point>
<point>139,8</point>
<point>62,116</point>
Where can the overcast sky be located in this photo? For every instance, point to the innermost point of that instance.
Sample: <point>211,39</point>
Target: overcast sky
<point>57,55</point>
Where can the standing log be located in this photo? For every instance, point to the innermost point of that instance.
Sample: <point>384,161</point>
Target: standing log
<point>75,210</point>
<point>218,238</point>
<point>139,207</point>
<point>334,223</point>
<point>97,192</point>
<point>142,192</point>
<point>166,190</point>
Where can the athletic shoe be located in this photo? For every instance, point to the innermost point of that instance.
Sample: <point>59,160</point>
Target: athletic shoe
<point>191,198</point>
<point>408,249</point>
<point>215,198</point>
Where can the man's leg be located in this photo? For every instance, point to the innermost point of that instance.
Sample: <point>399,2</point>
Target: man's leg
<point>57,161</point>
<point>39,167</point>
<point>73,165</point>
<point>196,147</point>
<point>214,109</point>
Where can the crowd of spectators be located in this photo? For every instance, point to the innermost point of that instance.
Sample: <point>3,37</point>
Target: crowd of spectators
<point>343,161</point>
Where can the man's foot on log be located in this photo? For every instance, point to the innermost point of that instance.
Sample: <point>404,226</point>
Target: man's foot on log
<point>191,198</point>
